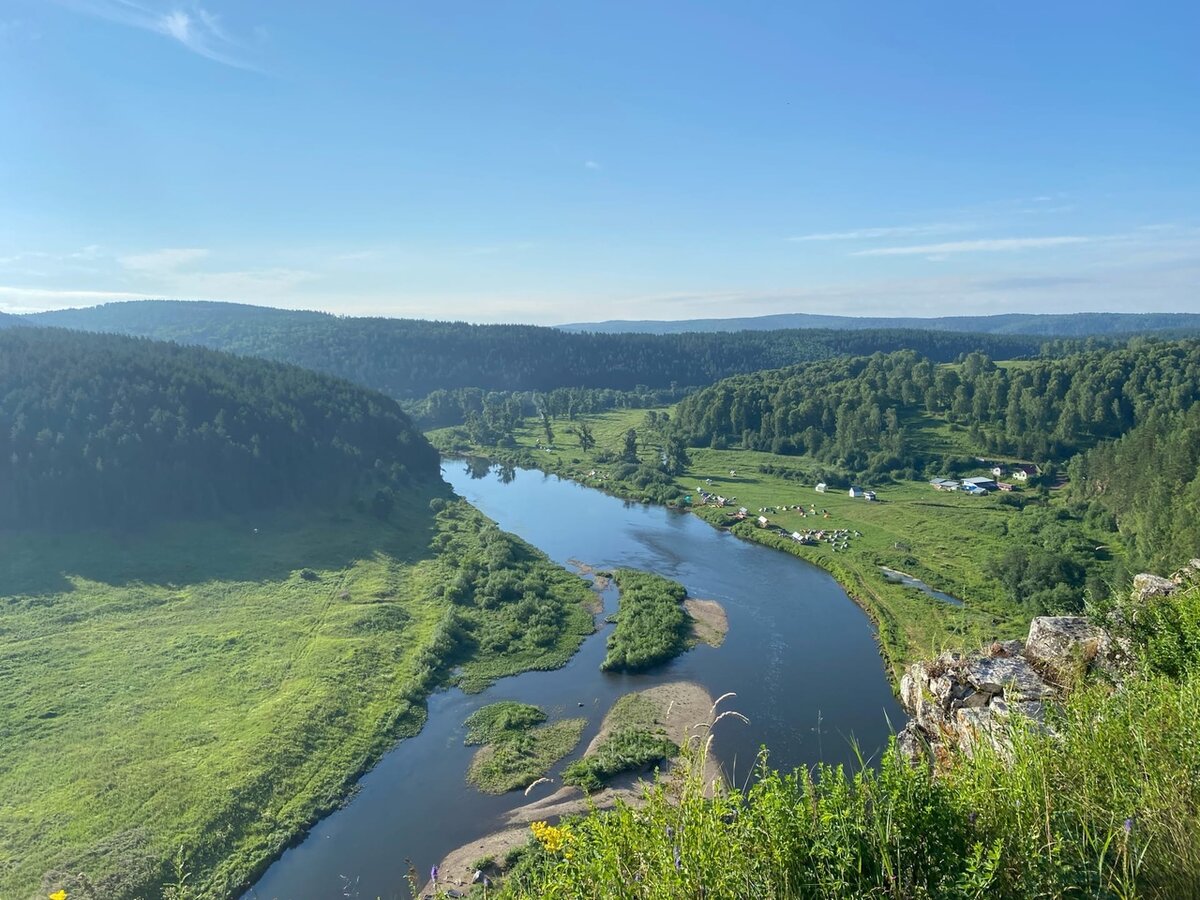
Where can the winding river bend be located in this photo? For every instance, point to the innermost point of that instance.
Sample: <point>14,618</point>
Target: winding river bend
<point>800,655</point>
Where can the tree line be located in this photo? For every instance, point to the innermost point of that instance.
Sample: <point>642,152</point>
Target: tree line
<point>408,359</point>
<point>102,429</point>
<point>862,413</point>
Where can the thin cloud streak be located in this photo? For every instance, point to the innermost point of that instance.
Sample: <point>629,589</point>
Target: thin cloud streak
<point>199,31</point>
<point>867,234</point>
<point>993,245</point>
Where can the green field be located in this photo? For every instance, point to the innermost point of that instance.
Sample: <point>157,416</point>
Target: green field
<point>947,540</point>
<point>214,688</point>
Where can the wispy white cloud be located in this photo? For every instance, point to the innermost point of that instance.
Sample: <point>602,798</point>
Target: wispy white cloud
<point>195,28</point>
<point>163,261</point>
<point>991,245</point>
<point>867,234</point>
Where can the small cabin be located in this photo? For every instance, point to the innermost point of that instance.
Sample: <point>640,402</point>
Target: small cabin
<point>763,522</point>
<point>856,492</point>
<point>822,487</point>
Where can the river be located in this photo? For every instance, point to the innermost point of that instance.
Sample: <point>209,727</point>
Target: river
<point>800,655</point>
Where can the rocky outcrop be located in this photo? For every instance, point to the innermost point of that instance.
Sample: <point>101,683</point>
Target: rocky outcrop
<point>964,702</point>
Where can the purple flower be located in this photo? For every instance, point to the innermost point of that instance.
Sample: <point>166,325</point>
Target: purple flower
<point>670,832</point>
<point>971,817</point>
<point>678,862</point>
<point>433,874</point>
<point>1127,825</point>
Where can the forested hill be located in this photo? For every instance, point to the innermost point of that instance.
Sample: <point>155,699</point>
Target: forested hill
<point>867,414</point>
<point>408,358</point>
<point>8,321</point>
<point>1072,325</point>
<point>102,429</point>
<point>1150,481</point>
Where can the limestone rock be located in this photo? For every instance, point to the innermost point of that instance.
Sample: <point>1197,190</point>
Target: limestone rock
<point>911,744</point>
<point>1065,646</point>
<point>1146,586</point>
<point>1011,677</point>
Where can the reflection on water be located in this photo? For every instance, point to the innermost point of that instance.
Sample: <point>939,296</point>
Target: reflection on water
<point>799,654</point>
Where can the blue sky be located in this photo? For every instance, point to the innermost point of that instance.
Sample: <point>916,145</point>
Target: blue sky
<point>566,161</point>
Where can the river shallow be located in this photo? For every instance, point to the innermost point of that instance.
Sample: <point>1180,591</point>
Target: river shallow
<point>800,655</point>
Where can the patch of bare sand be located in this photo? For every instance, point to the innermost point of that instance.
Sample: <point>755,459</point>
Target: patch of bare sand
<point>681,705</point>
<point>709,623</point>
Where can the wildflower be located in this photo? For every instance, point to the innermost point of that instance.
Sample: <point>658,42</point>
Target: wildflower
<point>551,838</point>
<point>971,817</point>
<point>59,895</point>
<point>433,874</point>
<point>1127,825</point>
<point>678,861</point>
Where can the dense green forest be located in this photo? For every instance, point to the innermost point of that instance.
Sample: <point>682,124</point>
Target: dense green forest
<point>102,429</point>
<point>860,413</point>
<point>1058,325</point>
<point>1150,481</point>
<point>408,358</point>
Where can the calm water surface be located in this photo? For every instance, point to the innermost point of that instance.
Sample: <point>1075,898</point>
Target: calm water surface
<point>800,655</point>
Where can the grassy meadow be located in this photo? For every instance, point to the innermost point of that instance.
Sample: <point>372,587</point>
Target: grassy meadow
<point>210,689</point>
<point>947,540</point>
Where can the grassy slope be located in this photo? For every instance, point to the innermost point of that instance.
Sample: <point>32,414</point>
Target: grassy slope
<point>944,539</point>
<point>216,689</point>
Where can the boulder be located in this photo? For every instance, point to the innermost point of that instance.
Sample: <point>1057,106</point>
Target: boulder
<point>1065,647</point>
<point>1146,586</point>
<point>1011,677</point>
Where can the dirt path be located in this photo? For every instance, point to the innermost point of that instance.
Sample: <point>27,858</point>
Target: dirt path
<point>681,705</point>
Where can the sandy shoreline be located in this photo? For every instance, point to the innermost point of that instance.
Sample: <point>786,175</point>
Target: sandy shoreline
<point>682,705</point>
<point>709,622</point>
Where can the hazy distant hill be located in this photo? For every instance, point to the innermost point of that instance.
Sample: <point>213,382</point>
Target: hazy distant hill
<point>409,358</point>
<point>8,321</point>
<point>1066,325</point>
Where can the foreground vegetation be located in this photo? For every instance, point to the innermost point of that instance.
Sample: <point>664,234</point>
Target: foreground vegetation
<point>218,685</point>
<point>518,747</point>
<point>1106,803</point>
<point>632,738</point>
<point>652,626</point>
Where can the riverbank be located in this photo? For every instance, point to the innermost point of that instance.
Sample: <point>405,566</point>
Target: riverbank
<point>678,707</point>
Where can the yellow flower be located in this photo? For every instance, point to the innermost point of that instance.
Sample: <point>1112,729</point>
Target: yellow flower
<point>59,895</point>
<point>553,839</point>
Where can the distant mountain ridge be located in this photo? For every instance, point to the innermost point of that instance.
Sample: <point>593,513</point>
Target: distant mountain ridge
<point>1030,324</point>
<point>409,358</point>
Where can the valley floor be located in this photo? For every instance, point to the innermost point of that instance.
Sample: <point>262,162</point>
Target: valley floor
<point>206,691</point>
<point>950,541</point>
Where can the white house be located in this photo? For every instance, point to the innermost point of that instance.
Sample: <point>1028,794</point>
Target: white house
<point>981,482</point>
<point>856,491</point>
<point>1024,473</point>
<point>821,487</point>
